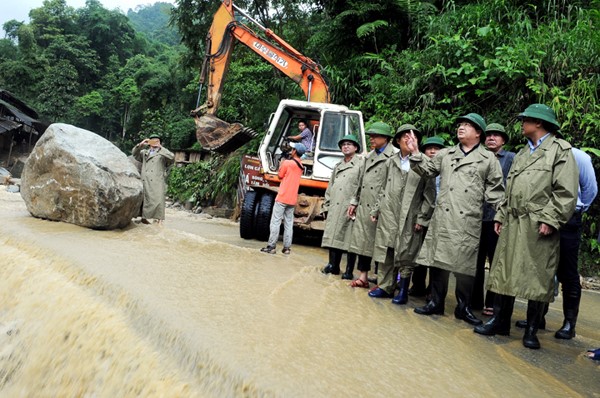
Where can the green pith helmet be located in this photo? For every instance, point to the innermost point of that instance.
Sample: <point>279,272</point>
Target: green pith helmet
<point>433,141</point>
<point>541,112</point>
<point>404,128</point>
<point>155,135</point>
<point>380,128</point>
<point>351,138</point>
<point>497,128</point>
<point>475,118</point>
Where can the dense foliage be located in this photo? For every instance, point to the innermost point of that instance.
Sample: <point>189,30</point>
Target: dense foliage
<point>423,62</point>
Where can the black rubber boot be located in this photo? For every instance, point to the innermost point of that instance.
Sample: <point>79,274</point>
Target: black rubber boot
<point>402,297</point>
<point>418,288</point>
<point>439,290</point>
<point>571,310</point>
<point>499,323</point>
<point>333,267</point>
<point>535,312</point>
<point>464,288</point>
<point>350,261</point>
<point>522,323</point>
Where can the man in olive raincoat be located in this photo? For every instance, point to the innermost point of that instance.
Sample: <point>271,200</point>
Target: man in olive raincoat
<point>156,162</point>
<point>541,195</point>
<point>342,187</point>
<point>495,139</point>
<point>400,215</point>
<point>470,175</point>
<point>430,147</point>
<point>362,240</point>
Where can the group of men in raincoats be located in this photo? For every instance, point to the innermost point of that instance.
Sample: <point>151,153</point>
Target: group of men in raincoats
<point>400,208</point>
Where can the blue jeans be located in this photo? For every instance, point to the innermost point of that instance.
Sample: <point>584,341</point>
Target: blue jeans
<point>285,212</point>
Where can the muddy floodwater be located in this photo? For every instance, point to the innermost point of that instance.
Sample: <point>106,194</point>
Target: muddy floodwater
<point>189,309</point>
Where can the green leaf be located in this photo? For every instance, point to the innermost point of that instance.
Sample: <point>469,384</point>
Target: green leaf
<point>594,151</point>
<point>484,31</point>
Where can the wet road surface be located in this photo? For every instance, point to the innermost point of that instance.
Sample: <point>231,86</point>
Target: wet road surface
<point>191,309</point>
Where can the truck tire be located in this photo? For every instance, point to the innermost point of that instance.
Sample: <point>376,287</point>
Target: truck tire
<point>247,230</point>
<point>264,210</point>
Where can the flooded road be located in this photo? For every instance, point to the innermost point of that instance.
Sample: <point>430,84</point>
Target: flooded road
<point>191,309</point>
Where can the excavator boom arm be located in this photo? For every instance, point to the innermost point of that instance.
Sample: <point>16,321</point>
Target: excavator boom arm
<point>223,35</point>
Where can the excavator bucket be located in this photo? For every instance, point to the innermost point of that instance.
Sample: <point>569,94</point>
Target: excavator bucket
<point>213,134</point>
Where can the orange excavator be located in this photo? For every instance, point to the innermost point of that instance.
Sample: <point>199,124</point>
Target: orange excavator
<point>213,133</point>
<point>259,181</point>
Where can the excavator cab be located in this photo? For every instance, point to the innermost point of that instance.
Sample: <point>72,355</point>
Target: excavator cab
<point>329,124</point>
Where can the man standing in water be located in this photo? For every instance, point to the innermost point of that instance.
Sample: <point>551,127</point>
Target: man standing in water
<point>570,239</point>
<point>469,174</point>
<point>400,220</point>
<point>541,195</point>
<point>430,147</point>
<point>372,177</point>
<point>338,226</point>
<point>290,172</point>
<point>495,139</point>
<point>156,161</point>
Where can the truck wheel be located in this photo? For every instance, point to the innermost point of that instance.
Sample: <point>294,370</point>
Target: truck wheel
<point>263,216</point>
<point>247,217</point>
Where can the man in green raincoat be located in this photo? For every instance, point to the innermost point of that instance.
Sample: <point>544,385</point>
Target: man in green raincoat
<point>400,213</point>
<point>470,175</point>
<point>156,161</point>
<point>338,226</point>
<point>362,240</point>
<point>541,195</point>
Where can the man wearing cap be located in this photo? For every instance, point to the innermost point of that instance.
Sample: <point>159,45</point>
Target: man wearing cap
<point>400,219</point>
<point>495,139</point>
<point>156,161</point>
<point>541,195</point>
<point>363,201</point>
<point>470,175</point>
<point>430,147</point>
<point>290,172</point>
<point>338,226</point>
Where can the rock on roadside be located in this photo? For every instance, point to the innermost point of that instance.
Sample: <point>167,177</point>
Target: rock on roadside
<point>76,176</point>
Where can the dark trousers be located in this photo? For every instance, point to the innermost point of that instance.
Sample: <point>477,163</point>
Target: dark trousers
<point>570,239</point>
<point>567,272</point>
<point>335,258</point>
<point>487,248</point>
<point>364,263</point>
<point>439,286</point>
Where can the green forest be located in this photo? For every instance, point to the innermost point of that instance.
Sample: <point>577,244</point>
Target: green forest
<point>399,61</point>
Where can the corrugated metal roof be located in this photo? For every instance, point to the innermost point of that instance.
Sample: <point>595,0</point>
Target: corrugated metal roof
<point>8,125</point>
<point>18,114</point>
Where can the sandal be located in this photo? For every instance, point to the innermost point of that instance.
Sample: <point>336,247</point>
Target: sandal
<point>359,283</point>
<point>487,311</point>
<point>594,354</point>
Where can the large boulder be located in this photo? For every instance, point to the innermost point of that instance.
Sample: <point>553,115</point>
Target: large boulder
<point>76,176</point>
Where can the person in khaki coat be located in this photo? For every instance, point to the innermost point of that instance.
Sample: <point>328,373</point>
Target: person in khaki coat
<point>399,235</point>
<point>362,240</point>
<point>541,195</point>
<point>338,226</point>
<point>156,162</point>
<point>470,175</point>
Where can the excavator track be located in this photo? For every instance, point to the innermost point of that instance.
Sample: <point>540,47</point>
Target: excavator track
<point>214,134</point>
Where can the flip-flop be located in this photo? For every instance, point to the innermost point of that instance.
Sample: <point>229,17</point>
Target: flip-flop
<point>594,354</point>
<point>359,283</point>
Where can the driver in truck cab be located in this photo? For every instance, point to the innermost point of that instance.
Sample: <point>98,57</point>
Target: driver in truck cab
<point>305,137</point>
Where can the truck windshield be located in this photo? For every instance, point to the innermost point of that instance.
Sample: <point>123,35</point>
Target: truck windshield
<point>334,127</point>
